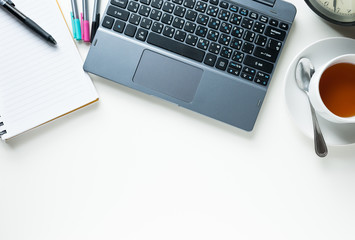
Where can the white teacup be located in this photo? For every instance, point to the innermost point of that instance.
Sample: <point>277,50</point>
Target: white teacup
<point>314,92</point>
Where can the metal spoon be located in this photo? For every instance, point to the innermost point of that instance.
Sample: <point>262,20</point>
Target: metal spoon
<point>304,72</point>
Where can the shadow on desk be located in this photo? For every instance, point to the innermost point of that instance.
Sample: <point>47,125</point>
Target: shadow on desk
<point>52,127</point>
<point>345,31</point>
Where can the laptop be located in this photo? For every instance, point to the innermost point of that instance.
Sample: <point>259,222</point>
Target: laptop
<point>214,57</point>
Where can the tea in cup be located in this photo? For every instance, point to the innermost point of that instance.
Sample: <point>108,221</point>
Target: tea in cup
<point>332,89</point>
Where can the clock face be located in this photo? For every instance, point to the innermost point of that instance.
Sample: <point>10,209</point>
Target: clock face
<point>337,11</point>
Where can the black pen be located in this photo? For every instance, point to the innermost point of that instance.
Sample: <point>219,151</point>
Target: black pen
<point>95,19</point>
<point>9,6</point>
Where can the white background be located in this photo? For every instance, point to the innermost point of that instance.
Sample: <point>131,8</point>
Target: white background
<point>137,167</point>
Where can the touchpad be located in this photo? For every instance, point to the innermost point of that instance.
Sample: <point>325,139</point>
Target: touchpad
<point>168,76</point>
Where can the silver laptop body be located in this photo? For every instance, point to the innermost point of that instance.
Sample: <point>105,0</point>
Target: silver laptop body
<point>226,95</point>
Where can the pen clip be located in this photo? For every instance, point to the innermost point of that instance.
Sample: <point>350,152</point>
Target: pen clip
<point>10,2</point>
<point>82,25</point>
<point>73,24</point>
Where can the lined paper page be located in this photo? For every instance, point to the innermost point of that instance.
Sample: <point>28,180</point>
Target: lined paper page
<point>39,81</point>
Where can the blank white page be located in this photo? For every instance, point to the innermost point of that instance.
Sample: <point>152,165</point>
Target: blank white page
<point>38,81</point>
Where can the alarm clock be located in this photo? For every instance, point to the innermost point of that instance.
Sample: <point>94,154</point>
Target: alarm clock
<point>341,12</point>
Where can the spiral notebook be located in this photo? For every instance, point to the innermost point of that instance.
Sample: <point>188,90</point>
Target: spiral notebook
<point>39,82</point>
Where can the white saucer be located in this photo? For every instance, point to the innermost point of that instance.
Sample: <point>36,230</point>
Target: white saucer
<point>319,53</point>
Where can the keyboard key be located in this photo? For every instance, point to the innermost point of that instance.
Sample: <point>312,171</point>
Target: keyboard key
<point>119,26</point>
<point>263,19</point>
<point>226,52</point>
<point>224,15</point>
<point>144,10</point>
<point>191,15</point>
<point>191,39</point>
<point>179,11</point>
<point>249,70</point>
<point>168,31</point>
<point>119,3</point>
<point>247,23</point>
<point>212,35</point>
<point>248,48</point>
<point>212,11</point>
<point>180,35</point>
<point>234,68</point>
<point>237,32</point>
<point>258,64</point>
<point>235,65</point>
<point>262,78</point>
<point>108,22</point>
<point>202,19</point>
<point>133,6</point>
<point>189,3</point>
<point>215,48</point>
<point>214,23</point>
<point>155,14</point>
<point>259,27</point>
<point>249,36</point>
<point>214,2</point>
<point>210,59</point>
<point>260,40</point>
<point>225,27</point>
<point>201,31</point>
<point>190,27</point>
<point>178,23</point>
<point>233,8</point>
<point>284,26</point>
<point>235,19</point>
<point>141,34</point>
<point>224,39</point>
<point>201,6</point>
<point>118,13</point>
<point>275,33</point>
<point>254,15</point>
<point>222,63</point>
<point>167,18</point>
<point>224,5</point>
<point>266,54</point>
<point>146,23</point>
<point>168,7</point>
<point>130,30</point>
<point>176,47</point>
<point>233,71</point>
<point>247,76</point>
<point>244,12</point>
<point>203,44</point>
<point>157,3</point>
<point>157,27</point>
<point>135,19</point>
<point>274,22</point>
<point>236,43</point>
<point>274,45</point>
<point>238,56</point>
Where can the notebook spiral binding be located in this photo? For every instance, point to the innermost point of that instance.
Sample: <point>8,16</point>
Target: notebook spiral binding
<point>2,128</point>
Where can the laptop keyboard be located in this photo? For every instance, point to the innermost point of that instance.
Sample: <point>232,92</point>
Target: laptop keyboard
<point>228,37</point>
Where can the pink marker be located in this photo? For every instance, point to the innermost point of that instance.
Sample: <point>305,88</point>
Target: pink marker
<point>85,24</point>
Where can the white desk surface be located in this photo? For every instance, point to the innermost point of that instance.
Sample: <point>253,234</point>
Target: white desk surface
<point>136,167</point>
